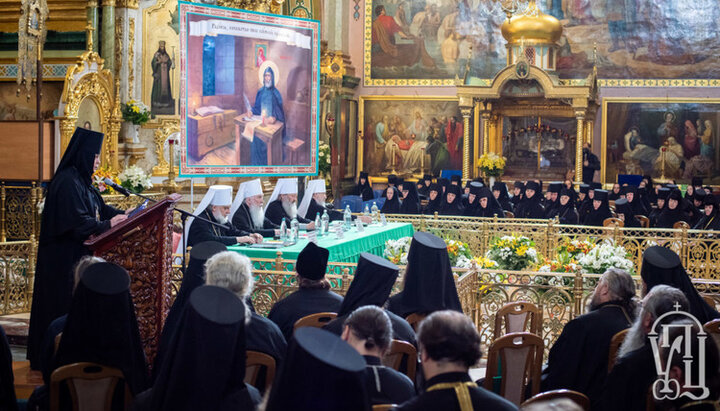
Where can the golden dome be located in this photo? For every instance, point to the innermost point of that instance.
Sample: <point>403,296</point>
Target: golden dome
<point>533,26</point>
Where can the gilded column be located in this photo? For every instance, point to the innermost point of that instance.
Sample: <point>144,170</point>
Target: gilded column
<point>589,128</point>
<point>486,131</point>
<point>580,116</point>
<point>108,34</point>
<point>92,18</point>
<point>466,143</point>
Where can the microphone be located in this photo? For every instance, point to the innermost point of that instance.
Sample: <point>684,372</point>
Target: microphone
<point>120,189</point>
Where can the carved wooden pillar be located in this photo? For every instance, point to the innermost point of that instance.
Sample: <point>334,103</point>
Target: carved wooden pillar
<point>580,116</point>
<point>466,143</point>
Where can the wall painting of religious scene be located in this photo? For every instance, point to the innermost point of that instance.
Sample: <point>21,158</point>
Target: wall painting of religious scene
<point>410,135</point>
<point>249,92</point>
<point>539,147</point>
<point>428,42</point>
<point>160,61</point>
<point>636,131</point>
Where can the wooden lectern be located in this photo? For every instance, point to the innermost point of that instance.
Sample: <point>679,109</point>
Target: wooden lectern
<point>143,246</point>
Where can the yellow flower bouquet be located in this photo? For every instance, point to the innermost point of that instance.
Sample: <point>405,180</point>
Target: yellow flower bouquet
<point>135,112</point>
<point>492,164</point>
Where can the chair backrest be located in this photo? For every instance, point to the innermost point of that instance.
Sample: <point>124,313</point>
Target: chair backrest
<point>577,397</point>
<point>400,350</point>
<point>91,386</point>
<point>449,173</point>
<point>383,407</point>
<point>509,214</point>
<point>644,221</point>
<point>414,320</point>
<point>520,356</point>
<point>57,343</point>
<point>518,316</point>
<point>256,361</point>
<point>615,344</point>
<point>318,320</point>
<point>613,221</point>
<point>355,203</point>
<point>681,225</point>
<point>713,328</point>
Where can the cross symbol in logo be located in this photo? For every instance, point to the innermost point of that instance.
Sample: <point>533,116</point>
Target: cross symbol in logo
<point>677,306</point>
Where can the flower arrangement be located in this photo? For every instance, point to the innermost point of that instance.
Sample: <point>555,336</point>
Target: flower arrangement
<point>324,158</point>
<point>134,178</point>
<point>565,263</point>
<point>575,247</point>
<point>98,180</point>
<point>484,263</point>
<point>459,254</point>
<point>135,112</point>
<point>492,164</point>
<point>512,253</point>
<point>397,250</point>
<point>606,255</point>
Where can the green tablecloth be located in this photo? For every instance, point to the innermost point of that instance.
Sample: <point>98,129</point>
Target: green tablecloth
<point>346,250</point>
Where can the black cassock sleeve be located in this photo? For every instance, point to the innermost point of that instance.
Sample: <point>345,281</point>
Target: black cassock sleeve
<point>201,231</point>
<point>241,221</point>
<point>564,359</point>
<point>77,205</point>
<point>275,213</point>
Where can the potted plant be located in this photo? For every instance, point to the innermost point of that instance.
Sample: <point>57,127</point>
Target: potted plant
<point>136,114</point>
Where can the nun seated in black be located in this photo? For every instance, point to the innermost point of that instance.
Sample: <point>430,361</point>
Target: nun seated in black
<point>371,285</point>
<point>363,188</point>
<point>313,295</point>
<point>74,210</point>
<point>530,206</point>
<point>392,201</point>
<point>663,266</point>
<point>101,328</point>
<point>673,212</point>
<point>600,210</point>
<point>369,331</point>
<point>452,203</point>
<point>429,283</point>
<point>709,219</point>
<point>500,192</point>
<point>487,205</point>
<point>662,195</point>
<point>566,212</point>
<point>204,368</point>
<point>322,373</point>
<point>471,202</point>
<point>434,199</point>
<point>625,212</point>
<point>410,200</point>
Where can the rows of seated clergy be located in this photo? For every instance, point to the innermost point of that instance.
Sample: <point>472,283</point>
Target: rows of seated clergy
<point>662,206</point>
<point>201,360</point>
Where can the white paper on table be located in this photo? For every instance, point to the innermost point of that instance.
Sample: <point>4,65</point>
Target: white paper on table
<point>359,225</point>
<point>249,131</point>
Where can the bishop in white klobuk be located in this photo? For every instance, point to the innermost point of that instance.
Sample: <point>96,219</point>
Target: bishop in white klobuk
<point>215,206</point>
<point>283,204</point>
<point>313,203</point>
<point>247,211</point>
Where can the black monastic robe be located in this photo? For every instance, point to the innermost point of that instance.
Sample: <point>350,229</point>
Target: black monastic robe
<point>303,302</point>
<point>242,220</point>
<point>447,400</point>
<point>385,385</point>
<point>275,213</point>
<point>201,231</point>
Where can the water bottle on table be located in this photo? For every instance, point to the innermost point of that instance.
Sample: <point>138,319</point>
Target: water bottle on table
<point>374,212</point>
<point>283,230</point>
<point>347,217</point>
<point>325,222</point>
<point>294,229</point>
<point>366,212</point>
<point>318,224</point>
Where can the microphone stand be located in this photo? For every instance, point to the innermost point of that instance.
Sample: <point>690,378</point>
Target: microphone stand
<point>183,217</point>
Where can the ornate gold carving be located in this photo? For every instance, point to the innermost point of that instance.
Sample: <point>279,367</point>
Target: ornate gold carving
<point>580,116</point>
<point>118,44</point>
<point>167,128</point>
<point>108,3</point>
<point>265,6</point>
<point>466,112</point>
<point>128,4</point>
<point>131,57</point>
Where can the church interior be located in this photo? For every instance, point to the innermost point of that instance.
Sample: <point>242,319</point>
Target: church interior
<point>419,204</point>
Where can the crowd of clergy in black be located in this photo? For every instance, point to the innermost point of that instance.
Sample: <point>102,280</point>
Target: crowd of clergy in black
<point>200,363</point>
<point>663,204</point>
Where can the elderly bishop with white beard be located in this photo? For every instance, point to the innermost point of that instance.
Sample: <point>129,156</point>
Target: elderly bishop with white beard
<point>247,210</point>
<point>283,204</point>
<point>215,207</point>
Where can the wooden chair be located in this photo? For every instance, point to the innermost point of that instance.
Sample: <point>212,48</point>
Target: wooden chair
<point>644,221</point>
<point>509,214</point>
<point>256,361</point>
<point>57,342</point>
<point>317,320</point>
<point>712,327</point>
<point>615,343</point>
<point>400,350</point>
<point>522,356</point>
<point>681,225</point>
<point>414,320</point>
<point>577,397</point>
<point>516,317</point>
<point>613,222</point>
<point>383,407</point>
<point>91,386</point>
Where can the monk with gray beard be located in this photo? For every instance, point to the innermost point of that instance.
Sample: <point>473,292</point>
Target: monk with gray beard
<point>248,212</point>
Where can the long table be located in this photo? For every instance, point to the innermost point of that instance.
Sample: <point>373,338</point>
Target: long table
<point>345,250</point>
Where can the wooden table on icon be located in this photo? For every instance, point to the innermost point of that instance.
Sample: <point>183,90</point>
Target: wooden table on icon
<point>270,134</point>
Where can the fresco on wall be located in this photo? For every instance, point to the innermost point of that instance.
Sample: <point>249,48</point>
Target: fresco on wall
<point>636,39</point>
<point>411,136</point>
<point>636,134</point>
